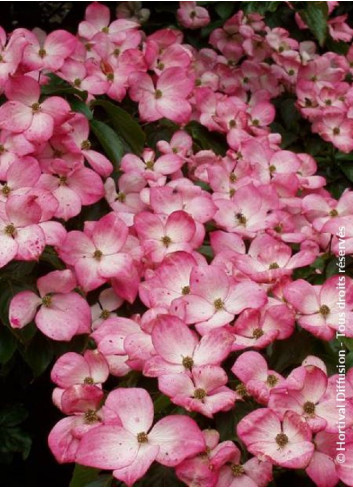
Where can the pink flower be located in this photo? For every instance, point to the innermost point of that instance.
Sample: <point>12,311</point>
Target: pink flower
<point>324,468</point>
<point>97,19</point>
<point>203,470</point>
<point>245,213</point>
<point>161,235</point>
<point>318,306</point>
<point>23,113</point>
<point>110,338</point>
<point>152,169</point>
<point>253,473</point>
<point>251,368</point>
<point>127,202</point>
<point>48,52</point>
<point>204,391</point>
<point>72,188</point>
<point>170,280</point>
<point>259,328</point>
<point>268,259</point>
<point>21,237</point>
<point>21,176</point>
<point>82,402</point>
<point>285,443</point>
<point>180,194</point>
<point>166,98</point>
<point>12,146</point>
<point>335,127</point>
<point>107,303</point>
<point>56,302</point>
<point>72,368</point>
<point>79,135</point>
<point>306,394</point>
<point>215,299</point>
<point>97,255</point>
<point>191,16</point>
<point>178,348</point>
<point>129,445</point>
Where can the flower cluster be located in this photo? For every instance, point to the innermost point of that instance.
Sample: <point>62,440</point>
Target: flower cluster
<point>194,259</point>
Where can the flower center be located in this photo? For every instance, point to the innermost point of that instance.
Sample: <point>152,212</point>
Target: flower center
<point>232,123</point>
<point>110,76</point>
<point>257,333</point>
<point>35,107</point>
<point>282,440</point>
<point>241,218</point>
<point>272,169</point>
<point>77,82</point>
<point>97,255</point>
<point>10,230</point>
<point>273,266</point>
<point>149,165</point>
<point>333,213</point>
<point>255,122</point>
<point>218,304</point>
<point>309,408</point>
<point>166,241</point>
<point>47,300</point>
<point>158,94</point>
<point>5,189</point>
<point>121,197</point>
<point>324,310</point>
<point>104,314</point>
<point>90,416</point>
<point>232,177</point>
<point>105,30</point>
<point>185,290</point>
<point>86,145</point>
<point>336,131</point>
<point>62,180</point>
<point>42,52</point>
<point>188,362</point>
<point>200,394</point>
<point>193,14</point>
<point>2,149</point>
<point>241,390</point>
<point>88,380</point>
<point>272,380</point>
<point>142,437</point>
<point>237,470</point>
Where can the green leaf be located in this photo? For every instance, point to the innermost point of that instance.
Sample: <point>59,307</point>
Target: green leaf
<point>14,440</point>
<point>82,476</point>
<point>13,415</point>
<point>347,169</point>
<point>261,7</point>
<point>206,139</point>
<point>124,125</point>
<point>206,251</point>
<point>38,354</point>
<point>58,86</point>
<point>49,255</point>
<point>348,342</point>
<point>224,9</point>
<point>109,140</point>
<point>161,403</point>
<point>316,15</point>
<point>7,344</point>
<point>79,106</point>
